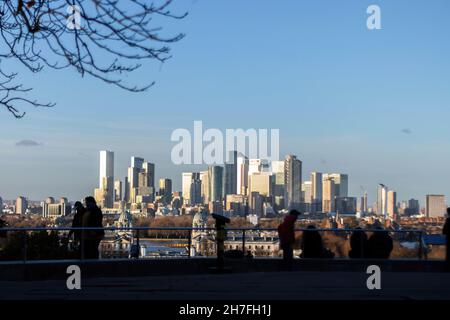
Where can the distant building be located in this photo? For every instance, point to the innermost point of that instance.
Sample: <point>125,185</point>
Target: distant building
<point>53,210</point>
<point>293,182</point>
<point>340,183</point>
<point>21,205</point>
<point>230,174</point>
<point>165,190</point>
<point>316,191</point>
<point>1,205</point>
<point>118,196</point>
<point>242,174</point>
<point>382,200</point>
<point>346,205</point>
<point>435,206</point>
<point>392,204</point>
<point>215,174</point>
<point>328,195</point>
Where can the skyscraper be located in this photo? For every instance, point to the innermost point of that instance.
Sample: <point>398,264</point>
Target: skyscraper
<point>435,206</point>
<point>382,200</point>
<point>230,174</point>
<point>204,177</point>
<point>242,174</point>
<point>262,183</point>
<point>328,195</point>
<point>106,166</point>
<point>186,181</point>
<point>316,191</point>
<point>105,192</point>
<point>392,204</point>
<point>165,190</point>
<point>340,183</point>
<point>21,205</point>
<point>118,196</point>
<point>293,182</point>
<point>215,183</point>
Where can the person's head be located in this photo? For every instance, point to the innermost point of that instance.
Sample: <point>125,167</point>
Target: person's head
<point>90,202</point>
<point>295,213</point>
<point>78,205</point>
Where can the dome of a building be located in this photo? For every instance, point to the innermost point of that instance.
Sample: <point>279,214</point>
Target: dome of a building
<point>200,219</point>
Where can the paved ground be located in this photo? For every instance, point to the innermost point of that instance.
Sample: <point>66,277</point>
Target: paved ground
<point>254,286</point>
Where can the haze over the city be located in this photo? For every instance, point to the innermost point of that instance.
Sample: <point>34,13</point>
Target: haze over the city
<point>371,104</point>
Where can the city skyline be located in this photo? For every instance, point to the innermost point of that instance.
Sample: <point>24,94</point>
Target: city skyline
<point>337,189</point>
<point>370,104</point>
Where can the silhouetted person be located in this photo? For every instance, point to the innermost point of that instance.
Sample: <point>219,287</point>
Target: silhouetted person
<point>286,233</point>
<point>77,222</point>
<point>92,218</point>
<point>380,245</point>
<point>358,244</point>
<point>312,245</point>
<point>446,232</point>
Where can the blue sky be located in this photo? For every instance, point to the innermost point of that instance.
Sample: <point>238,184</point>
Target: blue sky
<point>341,95</point>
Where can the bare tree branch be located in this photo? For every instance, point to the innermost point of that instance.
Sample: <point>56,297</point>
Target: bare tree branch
<point>105,39</point>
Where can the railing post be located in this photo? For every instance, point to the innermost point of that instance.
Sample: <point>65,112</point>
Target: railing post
<point>243,241</point>
<point>137,244</point>
<point>421,245</point>
<point>190,244</point>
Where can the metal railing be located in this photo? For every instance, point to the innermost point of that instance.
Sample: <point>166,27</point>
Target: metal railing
<point>244,236</point>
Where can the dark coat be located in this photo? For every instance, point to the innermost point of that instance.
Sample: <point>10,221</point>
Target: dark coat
<point>380,245</point>
<point>312,246</point>
<point>93,218</point>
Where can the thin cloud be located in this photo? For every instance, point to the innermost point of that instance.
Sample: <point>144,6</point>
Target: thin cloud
<point>28,143</point>
<point>407,131</point>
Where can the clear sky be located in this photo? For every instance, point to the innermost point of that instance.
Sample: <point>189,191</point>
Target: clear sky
<point>373,104</point>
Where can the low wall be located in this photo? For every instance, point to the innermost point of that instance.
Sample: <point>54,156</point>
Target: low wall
<point>53,270</point>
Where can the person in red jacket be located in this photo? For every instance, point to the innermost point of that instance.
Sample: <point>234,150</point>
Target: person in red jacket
<point>286,233</point>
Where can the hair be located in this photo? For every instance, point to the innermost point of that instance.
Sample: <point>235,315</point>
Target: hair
<point>448,211</point>
<point>78,205</point>
<point>90,200</point>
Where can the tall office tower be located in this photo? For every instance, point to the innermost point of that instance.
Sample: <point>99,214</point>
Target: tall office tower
<point>186,182</point>
<point>106,166</point>
<point>21,205</point>
<point>346,205</point>
<point>165,190</point>
<point>392,204</point>
<point>364,204</point>
<point>278,172</point>
<point>307,192</point>
<point>137,162</point>
<point>149,168</point>
<point>105,192</point>
<point>256,204</point>
<point>118,196</point>
<point>258,165</point>
<point>215,183</point>
<point>413,207</point>
<point>382,200</point>
<point>293,182</point>
<point>195,192</point>
<point>204,177</point>
<point>126,192</point>
<point>435,206</point>
<point>316,191</point>
<point>132,184</point>
<point>262,183</point>
<point>230,174</point>
<point>340,183</point>
<point>328,195</point>
<point>242,174</point>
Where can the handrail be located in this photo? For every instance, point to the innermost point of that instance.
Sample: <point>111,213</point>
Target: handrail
<point>198,229</point>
